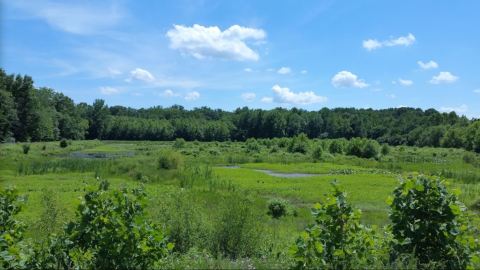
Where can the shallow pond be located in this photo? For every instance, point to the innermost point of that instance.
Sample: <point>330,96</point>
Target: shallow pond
<point>287,175</point>
<point>100,155</point>
<point>277,174</point>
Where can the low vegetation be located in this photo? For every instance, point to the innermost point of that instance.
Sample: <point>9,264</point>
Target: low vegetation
<point>238,205</point>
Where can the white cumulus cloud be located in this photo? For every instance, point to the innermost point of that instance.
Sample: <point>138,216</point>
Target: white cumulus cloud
<point>427,65</point>
<point>443,77</point>
<point>141,75</point>
<point>304,71</point>
<point>284,70</point>
<point>477,91</point>
<point>285,95</point>
<point>373,44</point>
<point>404,82</point>
<point>460,109</point>
<point>247,70</point>
<point>249,96</point>
<point>211,42</point>
<point>191,96</point>
<point>347,79</point>
<point>107,90</point>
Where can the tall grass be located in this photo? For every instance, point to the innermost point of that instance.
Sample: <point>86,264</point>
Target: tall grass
<point>203,176</point>
<point>32,167</point>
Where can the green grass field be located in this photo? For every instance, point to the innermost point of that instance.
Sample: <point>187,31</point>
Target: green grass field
<point>204,182</point>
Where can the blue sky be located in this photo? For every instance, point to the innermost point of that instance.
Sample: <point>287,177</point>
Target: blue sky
<point>261,54</point>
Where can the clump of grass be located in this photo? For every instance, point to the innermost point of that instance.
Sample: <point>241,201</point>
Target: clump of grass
<point>26,148</point>
<point>63,143</point>
<point>33,167</point>
<point>170,160</point>
<point>179,143</point>
<point>277,208</point>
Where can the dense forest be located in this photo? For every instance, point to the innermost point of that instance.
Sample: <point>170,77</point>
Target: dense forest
<point>28,113</point>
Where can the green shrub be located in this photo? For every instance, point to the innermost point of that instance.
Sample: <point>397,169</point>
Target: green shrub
<point>317,153</point>
<point>336,240</point>
<point>252,145</point>
<point>187,228</point>
<point>469,158</point>
<point>355,147</point>
<point>13,254</point>
<point>426,222</point>
<point>63,143</point>
<point>371,149</point>
<point>298,144</point>
<point>26,148</point>
<point>385,149</point>
<point>238,231</point>
<point>109,232</point>
<point>170,160</point>
<point>336,147</point>
<point>179,143</point>
<point>277,208</point>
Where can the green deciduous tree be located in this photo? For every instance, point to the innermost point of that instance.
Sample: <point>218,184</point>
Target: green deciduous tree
<point>98,118</point>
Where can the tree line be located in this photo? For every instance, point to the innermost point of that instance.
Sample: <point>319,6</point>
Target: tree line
<point>28,113</point>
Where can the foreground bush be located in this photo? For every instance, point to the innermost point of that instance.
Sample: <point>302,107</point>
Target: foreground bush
<point>109,233</point>
<point>12,252</point>
<point>427,222</point>
<point>336,240</point>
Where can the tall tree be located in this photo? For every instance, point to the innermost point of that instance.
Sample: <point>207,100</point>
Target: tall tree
<point>8,115</point>
<point>26,106</point>
<point>98,118</point>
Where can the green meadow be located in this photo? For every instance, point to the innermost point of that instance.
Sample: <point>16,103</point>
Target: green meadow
<point>191,199</point>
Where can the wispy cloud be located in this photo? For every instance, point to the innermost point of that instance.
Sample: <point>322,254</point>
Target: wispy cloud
<point>170,93</point>
<point>73,17</point>
<point>404,82</point>
<point>284,70</point>
<point>249,96</point>
<point>108,90</point>
<point>373,44</point>
<point>459,109</point>
<point>191,96</point>
<point>427,65</point>
<point>267,99</point>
